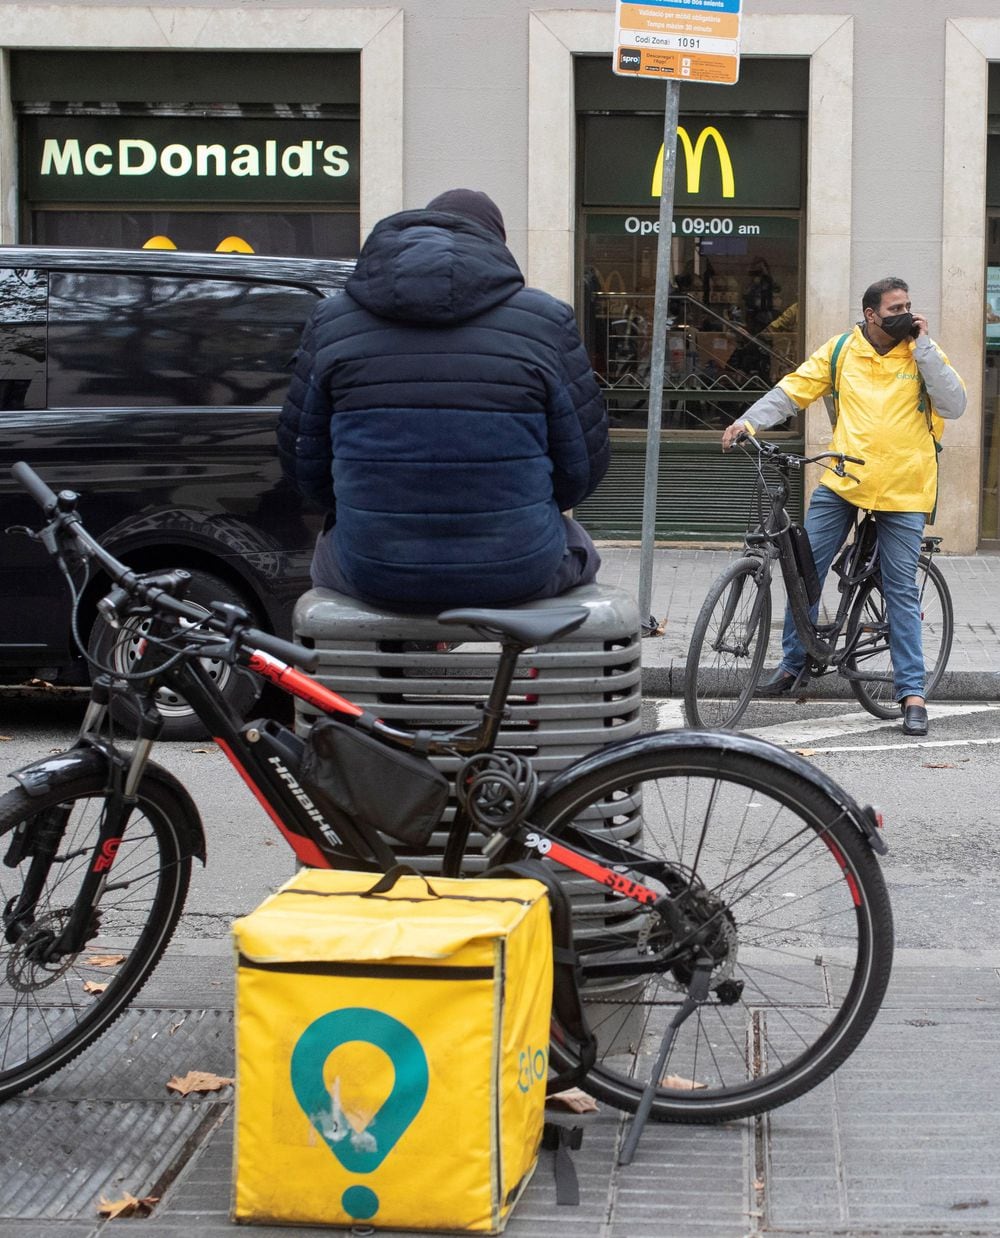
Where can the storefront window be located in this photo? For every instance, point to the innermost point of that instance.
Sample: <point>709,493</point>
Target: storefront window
<point>736,281</point>
<point>231,152</point>
<point>314,234</point>
<point>733,325</point>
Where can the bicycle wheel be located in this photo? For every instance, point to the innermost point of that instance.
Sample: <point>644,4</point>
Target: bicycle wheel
<point>869,622</point>
<point>51,1011</point>
<point>773,880</point>
<point>727,647</point>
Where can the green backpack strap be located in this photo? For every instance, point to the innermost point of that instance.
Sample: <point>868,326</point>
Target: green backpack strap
<point>833,404</point>
<point>924,406</point>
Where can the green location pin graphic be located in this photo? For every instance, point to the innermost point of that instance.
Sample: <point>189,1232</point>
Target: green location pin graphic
<point>359,1151</point>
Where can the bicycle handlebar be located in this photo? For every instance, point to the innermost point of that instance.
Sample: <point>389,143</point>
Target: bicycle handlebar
<point>152,591</point>
<point>773,451</point>
<point>28,479</point>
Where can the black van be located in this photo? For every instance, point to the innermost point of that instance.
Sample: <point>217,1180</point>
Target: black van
<point>150,381</point>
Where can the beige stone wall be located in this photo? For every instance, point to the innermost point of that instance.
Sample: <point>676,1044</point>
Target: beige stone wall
<point>457,92</point>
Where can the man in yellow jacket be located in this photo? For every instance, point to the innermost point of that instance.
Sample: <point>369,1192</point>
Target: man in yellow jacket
<point>894,387</point>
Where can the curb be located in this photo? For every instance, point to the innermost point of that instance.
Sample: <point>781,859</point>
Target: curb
<point>954,686</point>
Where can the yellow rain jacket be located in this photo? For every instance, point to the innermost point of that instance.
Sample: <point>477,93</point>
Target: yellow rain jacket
<point>880,421</point>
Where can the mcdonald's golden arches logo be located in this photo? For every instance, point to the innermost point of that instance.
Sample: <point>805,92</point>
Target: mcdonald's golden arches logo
<point>231,245</point>
<point>693,156</point>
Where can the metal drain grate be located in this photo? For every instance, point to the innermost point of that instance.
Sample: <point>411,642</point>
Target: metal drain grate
<point>59,1157</point>
<point>107,1124</point>
<point>138,1054</point>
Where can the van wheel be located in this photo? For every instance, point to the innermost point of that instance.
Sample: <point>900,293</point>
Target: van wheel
<point>119,650</point>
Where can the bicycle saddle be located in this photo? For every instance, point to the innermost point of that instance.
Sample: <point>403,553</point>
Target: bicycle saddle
<point>526,627</point>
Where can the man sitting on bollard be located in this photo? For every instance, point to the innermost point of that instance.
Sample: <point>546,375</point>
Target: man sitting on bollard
<point>445,416</point>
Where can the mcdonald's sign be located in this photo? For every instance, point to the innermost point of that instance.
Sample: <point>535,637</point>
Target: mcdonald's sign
<point>693,156</point>
<point>749,162</point>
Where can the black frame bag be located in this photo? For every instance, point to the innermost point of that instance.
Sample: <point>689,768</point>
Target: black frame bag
<point>356,776</point>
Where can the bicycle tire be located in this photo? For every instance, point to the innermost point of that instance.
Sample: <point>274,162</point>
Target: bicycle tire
<point>799,905</point>
<point>719,682</point>
<point>49,1016</point>
<point>877,696</point>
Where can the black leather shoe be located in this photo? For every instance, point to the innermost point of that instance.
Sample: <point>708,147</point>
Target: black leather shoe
<point>914,720</point>
<point>776,684</point>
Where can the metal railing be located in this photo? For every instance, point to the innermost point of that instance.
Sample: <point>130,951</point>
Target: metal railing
<point>712,364</point>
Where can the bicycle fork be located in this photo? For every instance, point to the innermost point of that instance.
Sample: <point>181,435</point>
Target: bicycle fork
<point>741,648</point>
<point>42,836</point>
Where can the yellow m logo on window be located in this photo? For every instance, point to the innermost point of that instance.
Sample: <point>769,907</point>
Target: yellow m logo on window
<point>693,156</point>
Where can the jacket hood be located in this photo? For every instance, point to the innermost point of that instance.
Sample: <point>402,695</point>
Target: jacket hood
<point>433,267</point>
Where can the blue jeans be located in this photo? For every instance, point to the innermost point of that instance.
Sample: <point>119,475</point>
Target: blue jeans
<point>828,522</point>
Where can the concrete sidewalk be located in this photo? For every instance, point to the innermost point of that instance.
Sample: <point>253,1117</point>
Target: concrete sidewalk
<point>902,1140</point>
<point>682,578</point>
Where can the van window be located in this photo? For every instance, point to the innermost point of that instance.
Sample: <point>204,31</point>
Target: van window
<point>22,338</point>
<point>139,340</point>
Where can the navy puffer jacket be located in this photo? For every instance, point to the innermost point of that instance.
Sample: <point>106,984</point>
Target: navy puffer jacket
<point>447,414</point>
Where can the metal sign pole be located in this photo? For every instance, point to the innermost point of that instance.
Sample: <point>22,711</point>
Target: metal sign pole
<point>659,355</point>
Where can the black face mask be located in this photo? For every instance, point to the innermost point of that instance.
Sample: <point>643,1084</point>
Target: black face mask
<point>898,326</point>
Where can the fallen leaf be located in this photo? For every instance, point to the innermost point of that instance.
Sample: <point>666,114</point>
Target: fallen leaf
<point>573,1099</point>
<point>758,1184</point>
<point>201,750</point>
<point>105,960</point>
<point>198,1081</point>
<point>805,752</point>
<point>90,986</point>
<point>969,1203</point>
<point>40,683</point>
<point>681,1084</point>
<point>176,1026</point>
<point>6,739</point>
<point>127,1206</point>
<point>938,765</point>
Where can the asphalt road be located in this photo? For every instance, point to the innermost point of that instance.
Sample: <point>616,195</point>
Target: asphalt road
<point>938,796</point>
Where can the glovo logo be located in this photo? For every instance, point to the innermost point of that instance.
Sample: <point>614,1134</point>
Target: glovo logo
<point>693,156</point>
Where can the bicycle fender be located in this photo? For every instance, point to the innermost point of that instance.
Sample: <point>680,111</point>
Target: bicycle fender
<point>61,769</point>
<point>865,820</point>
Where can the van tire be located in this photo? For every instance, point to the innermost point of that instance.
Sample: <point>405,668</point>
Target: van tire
<point>119,650</point>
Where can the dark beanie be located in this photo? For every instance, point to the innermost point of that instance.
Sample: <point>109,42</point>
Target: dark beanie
<point>473,205</point>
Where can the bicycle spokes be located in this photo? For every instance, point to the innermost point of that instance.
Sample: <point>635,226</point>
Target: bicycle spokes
<point>769,904</point>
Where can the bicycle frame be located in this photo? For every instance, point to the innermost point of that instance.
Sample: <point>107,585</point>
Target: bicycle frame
<point>267,756</point>
<point>818,640</point>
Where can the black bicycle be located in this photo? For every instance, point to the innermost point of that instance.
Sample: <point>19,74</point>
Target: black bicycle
<point>732,632</point>
<point>730,962</point>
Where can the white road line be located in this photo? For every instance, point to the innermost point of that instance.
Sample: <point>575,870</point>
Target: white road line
<point>670,714</point>
<point>806,731</point>
<point>910,743</point>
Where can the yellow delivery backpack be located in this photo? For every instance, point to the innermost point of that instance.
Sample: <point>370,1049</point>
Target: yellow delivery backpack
<point>392,1050</point>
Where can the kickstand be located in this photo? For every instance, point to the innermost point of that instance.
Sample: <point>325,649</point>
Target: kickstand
<point>696,994</point>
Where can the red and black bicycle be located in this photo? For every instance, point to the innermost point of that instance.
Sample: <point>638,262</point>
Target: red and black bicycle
<point>732,951</point>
